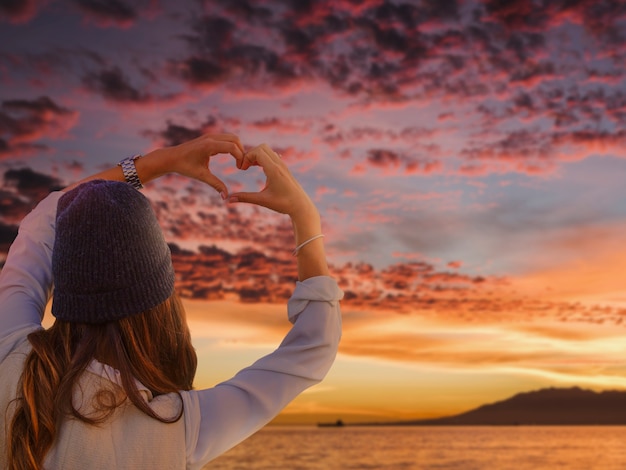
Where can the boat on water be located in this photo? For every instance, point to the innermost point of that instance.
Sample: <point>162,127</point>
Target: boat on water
<point>337,424</point>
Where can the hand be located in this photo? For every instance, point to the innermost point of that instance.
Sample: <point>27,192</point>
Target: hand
<point>282,192</point>
<point>192,158</point>
<point>189,159</point>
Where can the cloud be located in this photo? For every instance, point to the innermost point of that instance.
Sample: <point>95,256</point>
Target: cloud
<point>114,86</point>
<point>565,353</point>
<point>21,191</point>
<point>175,134</point>
<point>553,67</point>
<point>109,13</point>
<point>410,288</point>
<point>24,122</point>
<point>30,184</point>
<point>534,152</point>
<point>282,125</point>
<point>496,63</point>
<point>7,235</point>
<point>19,11</point>
<point>414,135</point>
<point>13,208</point>
<point>232,253</point>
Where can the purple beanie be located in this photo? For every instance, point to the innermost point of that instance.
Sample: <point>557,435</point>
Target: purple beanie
<point>110,259</point>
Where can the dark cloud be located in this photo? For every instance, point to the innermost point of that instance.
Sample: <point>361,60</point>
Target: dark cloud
<point>31,184</point>
<point>492,53</point>
<point>442,9</point>
<point>517,14</point>
<point>114,86</point>
<point>108,12</point>
<point>20,192</point>
<point>247,10</point>
<point>534,72</point>
<point>384,158</point>
<point>601,17</point>
<point>24,122</point>
<point>413,135</point>
<point>7,235</point>
<point>393,162</point>
<point>13,208</point>
<point>201,71</point>
<point>18,11</point>
<point>251,276</point>
<point>213,33</point>
<point>175,134</point>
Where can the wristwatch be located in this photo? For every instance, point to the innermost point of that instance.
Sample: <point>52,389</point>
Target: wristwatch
<point>130,172</point>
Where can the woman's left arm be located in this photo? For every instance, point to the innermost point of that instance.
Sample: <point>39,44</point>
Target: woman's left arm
<point>26,278</point>
<point>189,159</point>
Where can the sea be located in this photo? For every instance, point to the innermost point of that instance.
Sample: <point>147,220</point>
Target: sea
<point>430,447</point>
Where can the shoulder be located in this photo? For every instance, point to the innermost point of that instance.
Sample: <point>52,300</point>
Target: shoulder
<point>15,342</point>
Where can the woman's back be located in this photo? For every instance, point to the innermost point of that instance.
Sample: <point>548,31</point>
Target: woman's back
<point>128,438</point>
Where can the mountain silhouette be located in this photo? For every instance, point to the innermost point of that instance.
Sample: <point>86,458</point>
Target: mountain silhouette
<point>551,406</point>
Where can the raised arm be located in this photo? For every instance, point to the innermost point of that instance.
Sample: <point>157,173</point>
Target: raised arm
<point>189,159</point>
<point>26,279</point>
<point>282,193</point>
<point>217,419</point>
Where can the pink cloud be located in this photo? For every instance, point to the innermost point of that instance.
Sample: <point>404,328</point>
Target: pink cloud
<point>282,126</point>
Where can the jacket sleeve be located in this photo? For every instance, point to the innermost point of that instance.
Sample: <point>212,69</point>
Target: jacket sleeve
<point>218,418</point>
<point>26,278</point>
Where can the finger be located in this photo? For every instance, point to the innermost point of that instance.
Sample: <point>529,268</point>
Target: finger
<point>250,198</point>
<point>238,154</point>
<point>228,137</point>
<point>273,155</point>
<point>226,146</point>
<point>261,155</point>
<point>216,183</point>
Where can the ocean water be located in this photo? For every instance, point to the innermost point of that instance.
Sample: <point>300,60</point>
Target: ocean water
<point>440,448</point>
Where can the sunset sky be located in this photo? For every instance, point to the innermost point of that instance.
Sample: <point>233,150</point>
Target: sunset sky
<point>468,158</point>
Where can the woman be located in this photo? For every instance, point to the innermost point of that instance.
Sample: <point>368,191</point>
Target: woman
<point>109,384</point>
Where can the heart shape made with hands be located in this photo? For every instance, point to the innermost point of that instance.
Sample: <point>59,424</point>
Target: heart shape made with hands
<point>247,179</point>
<point>236,180</point>
<point>278,190</point>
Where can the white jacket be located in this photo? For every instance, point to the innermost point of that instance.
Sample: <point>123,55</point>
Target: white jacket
<point>214,420</point>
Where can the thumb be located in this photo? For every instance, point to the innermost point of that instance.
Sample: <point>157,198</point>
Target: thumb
<point>251,198</point>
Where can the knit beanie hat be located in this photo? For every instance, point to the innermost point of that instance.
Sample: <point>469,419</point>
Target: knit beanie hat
<point>110,259</point>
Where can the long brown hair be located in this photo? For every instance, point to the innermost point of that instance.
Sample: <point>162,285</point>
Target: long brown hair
<point>153,347</point>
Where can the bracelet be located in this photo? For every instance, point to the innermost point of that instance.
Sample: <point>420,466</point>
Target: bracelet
<point>295,252</point>
<point>130,172</point>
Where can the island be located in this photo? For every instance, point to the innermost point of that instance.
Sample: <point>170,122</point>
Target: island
<point>550,406</point>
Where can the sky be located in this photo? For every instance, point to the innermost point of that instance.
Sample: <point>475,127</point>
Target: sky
<point>467,157</point>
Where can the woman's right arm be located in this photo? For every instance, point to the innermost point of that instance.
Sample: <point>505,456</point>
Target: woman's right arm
<point>282,193</point>
<point>218,418</point>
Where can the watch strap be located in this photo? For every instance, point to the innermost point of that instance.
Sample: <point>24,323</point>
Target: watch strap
<point>130,171</point>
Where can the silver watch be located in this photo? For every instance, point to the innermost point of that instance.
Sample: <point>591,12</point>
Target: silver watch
<point>130,172</point>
